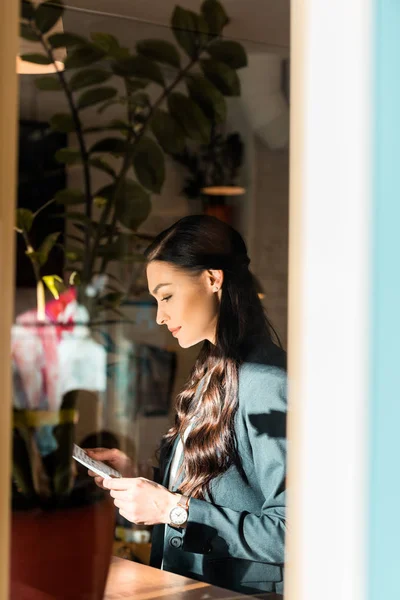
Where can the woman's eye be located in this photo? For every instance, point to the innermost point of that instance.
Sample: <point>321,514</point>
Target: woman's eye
<point>166,298</point>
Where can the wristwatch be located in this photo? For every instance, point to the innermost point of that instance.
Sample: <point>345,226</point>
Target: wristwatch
<point>180,513</point>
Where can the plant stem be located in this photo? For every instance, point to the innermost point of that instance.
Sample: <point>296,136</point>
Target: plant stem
<point>128,157</point>
<point>40,297</point>
<point>39,210</point>
<point>83,151</point>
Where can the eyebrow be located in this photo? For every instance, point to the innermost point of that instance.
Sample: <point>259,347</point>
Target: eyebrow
<point>160,285</point>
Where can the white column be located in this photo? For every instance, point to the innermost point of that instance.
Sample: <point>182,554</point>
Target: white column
<point>8,129</point>
<point>328,298</point>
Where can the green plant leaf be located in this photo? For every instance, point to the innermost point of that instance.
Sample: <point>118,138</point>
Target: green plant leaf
<point>160,51</point>
<point>46,246</point>
<point>55,284</point>
<point>191,118</point>
<point>37,59</point>
<point>222,76</point>
<point>47,14</point>
<point>28,33</point>
<point>66,40</point>
<point>73,254</point>
<point>96,95</point>
<point>88,77</point>
<point>48,83</point>
<point>190,30</point>
<point>69,197</point>
<point>100,164</point>
<point>112,145</point>
<point>68,156</point>
<point>107,42</point>
<point>139,67</point>
<point>107,104</point>
<point>231,53</point>
<point>133,205</point>
<point>208,97</point>
<point>27,10</point>
<point>168,133</point>
<point>24,219</point>
<point>62,122</point>
<point>83,56</point>
<point>120,248</point>
<point>114,125</point>
<point>215,15</point>
<point>149,164</point>
<point>134,85</point>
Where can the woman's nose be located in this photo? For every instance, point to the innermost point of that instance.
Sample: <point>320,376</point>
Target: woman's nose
<point>161,317</point>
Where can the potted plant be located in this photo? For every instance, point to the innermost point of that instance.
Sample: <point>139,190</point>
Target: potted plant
<point>213,172</point>
<point>102,228</point>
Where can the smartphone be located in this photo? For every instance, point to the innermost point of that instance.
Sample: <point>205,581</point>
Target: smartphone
<point>97,466</point>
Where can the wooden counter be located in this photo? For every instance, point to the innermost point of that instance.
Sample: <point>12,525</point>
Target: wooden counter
<point>128,580</point>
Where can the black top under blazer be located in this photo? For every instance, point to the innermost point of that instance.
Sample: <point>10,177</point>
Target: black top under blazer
<point>235,538</point>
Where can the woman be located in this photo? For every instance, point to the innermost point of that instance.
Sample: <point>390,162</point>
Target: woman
<point>219,506</point>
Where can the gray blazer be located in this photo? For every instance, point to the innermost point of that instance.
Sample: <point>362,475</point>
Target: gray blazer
<point>235,538</point>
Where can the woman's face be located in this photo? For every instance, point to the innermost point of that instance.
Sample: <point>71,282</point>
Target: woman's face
<point>187,304</point>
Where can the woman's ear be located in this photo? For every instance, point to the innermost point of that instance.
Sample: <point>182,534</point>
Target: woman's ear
<point>215,279</point>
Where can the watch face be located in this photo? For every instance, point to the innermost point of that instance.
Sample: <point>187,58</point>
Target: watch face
<point>178,515</point>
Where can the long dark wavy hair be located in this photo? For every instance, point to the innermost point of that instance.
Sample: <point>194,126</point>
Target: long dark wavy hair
<point>195,244</point>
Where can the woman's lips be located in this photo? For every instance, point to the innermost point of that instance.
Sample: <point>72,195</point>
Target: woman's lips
<point>175,331</point>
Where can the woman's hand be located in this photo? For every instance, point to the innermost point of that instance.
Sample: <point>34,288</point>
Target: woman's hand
<point>115,459</point>
<point>141,501</point>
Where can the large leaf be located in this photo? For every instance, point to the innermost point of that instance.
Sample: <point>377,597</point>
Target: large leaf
<point>114,125</point>
<point>184,27</point>
<point>24,219</point>
<point>208,97</point>
<point>100,164</point>
<point>66,40</point>
<point>135,85</point>
<point>191,118</point>
<point>49,83</point>
<point>106,42</point>
<point>47,14</point>
<point>222,76</point>
<point>160,51</point>
<point>96,95</point>
<point>120,249</point>
<point>69,197</point>
<point>27,10</point>
<point>68,156</point>
<point>111,145</point>
<point>62,122</point>
<point>149,164</point>
<point>37,59</point>
<point>133,205</point>
<point>140,67</point>
<point>28,33</point>
<point>83,56</point>
<point>46,246</point>
<point>88,77</point>
<point>231,53</point>
<point>215,15</point>
<point>190,30</point>
<point>169,134</point>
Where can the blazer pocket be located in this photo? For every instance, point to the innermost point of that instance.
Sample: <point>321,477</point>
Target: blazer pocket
<point>237,569</point>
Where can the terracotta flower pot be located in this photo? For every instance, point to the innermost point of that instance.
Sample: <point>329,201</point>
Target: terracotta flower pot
<point>223,212</point>
<point>62,554</point>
